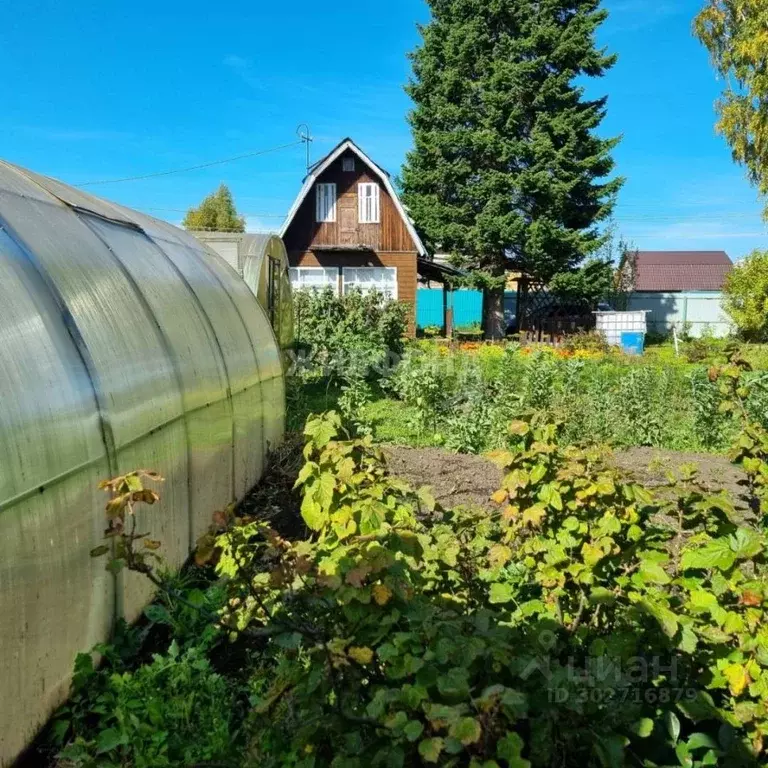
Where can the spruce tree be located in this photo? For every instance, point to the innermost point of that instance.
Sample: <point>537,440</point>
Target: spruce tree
<point>508,171</point>
<point>216,213</point>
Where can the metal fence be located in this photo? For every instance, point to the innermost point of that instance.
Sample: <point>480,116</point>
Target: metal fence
<point>697,312</point>
<point>467,307</point>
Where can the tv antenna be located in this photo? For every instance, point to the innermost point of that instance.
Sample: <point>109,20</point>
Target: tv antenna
<point>305,135</point>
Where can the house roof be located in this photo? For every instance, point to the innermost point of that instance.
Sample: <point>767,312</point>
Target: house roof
<point>319,168</point>
<point>681,270</point>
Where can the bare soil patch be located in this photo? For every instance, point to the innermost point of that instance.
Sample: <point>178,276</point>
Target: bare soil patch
<point>649,466</point>
<point>457,479</point>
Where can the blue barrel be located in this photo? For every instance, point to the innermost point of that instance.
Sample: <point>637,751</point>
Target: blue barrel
<point>633,342</point>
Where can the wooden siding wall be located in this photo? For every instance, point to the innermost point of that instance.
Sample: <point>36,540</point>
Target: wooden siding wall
<point>390,236</point>
<point>390,242</point>
<point>407,278</point>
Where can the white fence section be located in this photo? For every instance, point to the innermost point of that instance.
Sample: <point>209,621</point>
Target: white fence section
<point>698,312</point>
<point>613,324</point>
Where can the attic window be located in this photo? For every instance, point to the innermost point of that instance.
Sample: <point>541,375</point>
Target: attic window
<point>369,204</point>
<point>325,203</point>
<point>348,164</point>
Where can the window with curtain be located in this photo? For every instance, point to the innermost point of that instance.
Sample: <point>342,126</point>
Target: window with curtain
<point>367,279</point>
<point>368,197</point>
<point>325,200</point>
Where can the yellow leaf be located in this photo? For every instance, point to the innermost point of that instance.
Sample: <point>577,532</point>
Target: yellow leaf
<point>510,513</point>
<point>499,497</point>
<point>362,656</point>
<point>592,554</point>
<point>499,555</point>
<point>382,594</point>
<point>534,516</point>
<point>737,678</point>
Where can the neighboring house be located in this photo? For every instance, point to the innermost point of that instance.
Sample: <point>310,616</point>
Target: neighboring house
<point>348,229</point>
<point>680,289</point>
<point>680,271</point>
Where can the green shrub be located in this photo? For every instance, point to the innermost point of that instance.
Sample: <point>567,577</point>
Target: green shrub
<point>569,629</point>
<point>173,711</point>
<point>746,296</point>
<point>348,336</point>
<point>462,399</point>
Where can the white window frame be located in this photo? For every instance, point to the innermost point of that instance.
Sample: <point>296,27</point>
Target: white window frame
<point>348,164</point>
<point>325,203</point>
<point>314,278</point>
<point>367,279</point>
<point>369,203</point>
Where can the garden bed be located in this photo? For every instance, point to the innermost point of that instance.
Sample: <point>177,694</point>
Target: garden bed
<point>457,479</point>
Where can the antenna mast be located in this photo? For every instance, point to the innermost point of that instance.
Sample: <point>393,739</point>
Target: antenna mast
<point>305,135</point>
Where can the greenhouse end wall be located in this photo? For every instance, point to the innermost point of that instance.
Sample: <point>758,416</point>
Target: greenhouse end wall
<point>124,344</point>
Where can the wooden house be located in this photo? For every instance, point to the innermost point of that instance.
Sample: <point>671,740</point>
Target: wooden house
<point>348,229</point>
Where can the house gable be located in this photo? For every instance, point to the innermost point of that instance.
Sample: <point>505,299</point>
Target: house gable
<point>347,168</point>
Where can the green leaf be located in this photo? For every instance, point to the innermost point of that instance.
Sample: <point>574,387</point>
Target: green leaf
<point>413,730</point>
<point>322,429</point>
<point>454,684</point>
<point>746,544</point>
<point>701,741</point>
<point>509,748</point>
<point>688,641</point>
<point>313,514</point>
<point>538,473</point>
<point>605,486</point>
<point>324,490</point>
<point>551,496</point>
<point>467,730</point>
<point>157,614</point>
<point>666,618</point>
<point>500,594</point>
<point>427,498</point>
<point>601,596</point>
<point>717,553</point>
<point>643,728</point>
<point>653,573</point>
<point>672,724</point>
<point>99,551</point>
<point>430,750</point>
<point>307,471</point>
<point>108,740</point>
<point>611,751</point>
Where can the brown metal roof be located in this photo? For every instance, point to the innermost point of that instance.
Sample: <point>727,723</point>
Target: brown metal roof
<point>681,270</point>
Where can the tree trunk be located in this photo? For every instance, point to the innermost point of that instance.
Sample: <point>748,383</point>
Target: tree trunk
<point>493,314</point>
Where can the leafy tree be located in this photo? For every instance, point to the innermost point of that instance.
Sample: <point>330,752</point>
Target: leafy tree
<point>584,287</point>
<point>734,32</point>
<point>746,296</point>
<point>216,213</point>
<point>507,171</point>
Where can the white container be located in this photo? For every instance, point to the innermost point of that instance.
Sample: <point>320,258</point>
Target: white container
<point>613,324</point>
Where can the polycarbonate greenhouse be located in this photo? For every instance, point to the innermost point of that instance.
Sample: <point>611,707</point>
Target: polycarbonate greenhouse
<point>263,263</point>
<point>124,343</point>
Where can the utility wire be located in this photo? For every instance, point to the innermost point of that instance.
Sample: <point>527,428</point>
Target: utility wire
<point>240,213</point>
<point>192,167</point>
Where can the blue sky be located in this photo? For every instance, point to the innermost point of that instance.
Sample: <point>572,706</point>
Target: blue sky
<point>94,90</point>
